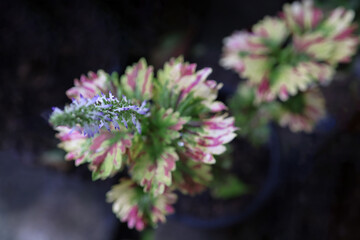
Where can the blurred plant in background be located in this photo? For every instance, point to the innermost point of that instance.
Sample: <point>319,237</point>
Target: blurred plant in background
<point>163,131</point>
<point>284,60</point>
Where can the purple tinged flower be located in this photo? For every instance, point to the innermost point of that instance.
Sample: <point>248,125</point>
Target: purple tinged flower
<point>142,110</point>
<point>116,125</point>
<point>108,119</point>
<point>107,126</point>
<point>136,123</point>
<point>111,97</point>
<point>106,106</point>
<point>124,122</point>
<point>133,118</point>
<point>57,110</point>
<point>96,111</point>
<point>138,126</point>
<point>91,129</point>
<point>104,123</point>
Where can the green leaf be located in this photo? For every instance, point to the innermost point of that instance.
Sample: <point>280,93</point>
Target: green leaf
<point>137,82</point>
<point>107,158</point>
<point>154,176</point>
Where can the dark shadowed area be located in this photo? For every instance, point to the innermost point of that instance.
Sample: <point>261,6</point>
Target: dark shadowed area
<point>306,186</point>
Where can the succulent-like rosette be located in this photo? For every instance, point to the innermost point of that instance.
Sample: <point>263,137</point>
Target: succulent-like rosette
<point>265,60</point>
<point>180,127</point>
<point>139,209</point>
<point>302,112</point>
<point>90,86</point>
<point>283,56</point>
<point>324,37</point>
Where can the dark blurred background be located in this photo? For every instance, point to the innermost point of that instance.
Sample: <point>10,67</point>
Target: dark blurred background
<point>44,45</point>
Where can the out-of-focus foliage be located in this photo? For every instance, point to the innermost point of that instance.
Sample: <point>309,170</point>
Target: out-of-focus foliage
<point>303,111</point>
<point>229,187</point>
<point>283,59</point>
<point>252,119</point>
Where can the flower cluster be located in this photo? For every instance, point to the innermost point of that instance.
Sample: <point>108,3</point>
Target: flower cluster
<point>91,114</point>
<point>285,57</point>
<point>182,130</point>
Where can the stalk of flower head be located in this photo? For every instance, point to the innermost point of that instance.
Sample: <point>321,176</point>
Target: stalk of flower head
<point>89,115</point>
